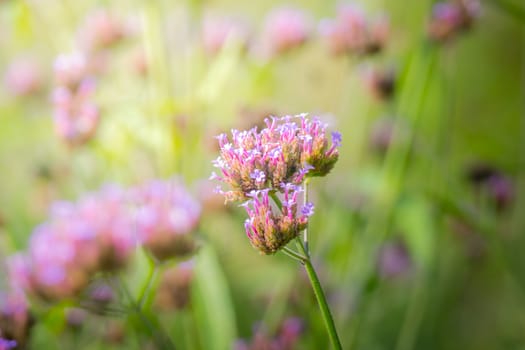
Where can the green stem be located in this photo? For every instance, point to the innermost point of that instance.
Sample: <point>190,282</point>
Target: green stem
<point>152,275</point>
<point>294,254</point>
<point>305,232</point>
<point>323,305</point>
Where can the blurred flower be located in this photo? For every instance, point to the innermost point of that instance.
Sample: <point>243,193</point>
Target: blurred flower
<point>6,344</point>
<point>394,260</point>
<point>285,152</point>
<point>76,115</point>
<point>352,32</point>
<point>380,83</point>
<point>216,31</point>
<point>174,289</point>
<point>71,69</point>
<point>166,218</point>
<point>285,339</point>
<point>498,187</point>
<point>75,317</point>
<point>101,30</point>
<point>23,77</point>
<point>269,231</point>
<point>450,18</point>
<point>78,240</point>
<point>285,28</point>
<point>15,319</point>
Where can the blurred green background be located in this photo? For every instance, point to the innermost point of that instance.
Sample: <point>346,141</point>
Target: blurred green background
<point>413,253</point>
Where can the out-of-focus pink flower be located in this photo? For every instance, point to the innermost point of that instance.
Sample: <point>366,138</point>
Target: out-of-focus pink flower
<point>23,77</point>
<point>101,30</point>
<point>451,18</point>
<point>166,217</point>
<point>70,69</point>
<point>286,338</point>
<point>380,82</point>
<point>15,319</point>
<point>352,32</point>
<point>216,31</point>
<point>6,344</point>
<point>79,239</point>
<point>394,260</point>
<point>285,28</point>
<point>76,116</point>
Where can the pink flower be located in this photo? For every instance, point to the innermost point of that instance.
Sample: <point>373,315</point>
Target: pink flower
<point>23,77</point>
<point>166,217</point>
<point>352,32</point>
<point>285,28</point>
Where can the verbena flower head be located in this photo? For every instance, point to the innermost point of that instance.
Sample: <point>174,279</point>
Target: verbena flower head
<point>286,151</point>
<point>166,218</point>
<point>270,228</point>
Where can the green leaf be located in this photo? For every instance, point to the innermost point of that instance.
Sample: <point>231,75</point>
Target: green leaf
<point>211,298</point>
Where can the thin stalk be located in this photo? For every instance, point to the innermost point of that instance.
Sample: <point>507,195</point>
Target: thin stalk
<point>152,275</point>
<point>305,232</point>
<point>294,255</point>
<point>323,305</point>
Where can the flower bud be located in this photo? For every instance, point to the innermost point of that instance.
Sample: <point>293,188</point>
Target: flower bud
<point>269,231</point>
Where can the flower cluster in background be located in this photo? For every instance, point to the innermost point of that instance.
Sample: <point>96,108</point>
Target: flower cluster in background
<point>100,232</point>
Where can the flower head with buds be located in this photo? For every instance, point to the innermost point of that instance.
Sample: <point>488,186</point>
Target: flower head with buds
<point>286,151</point>
<point>269,228</point>
<point>268,166</point>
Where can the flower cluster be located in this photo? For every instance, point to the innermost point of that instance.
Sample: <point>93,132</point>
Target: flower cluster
<point>100,232</point>
<point>451,18</point>
<point>286,28</point>
<point>261,166</point>
<point>76,115</point>
<point>166,217</point>
<point>352,32</point>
